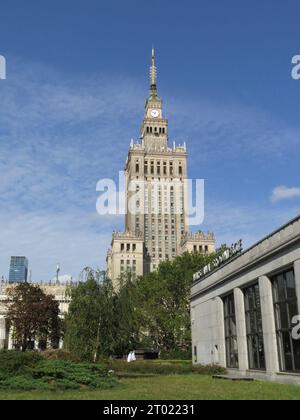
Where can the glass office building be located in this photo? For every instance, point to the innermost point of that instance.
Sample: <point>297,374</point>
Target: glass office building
<point>18,272</point>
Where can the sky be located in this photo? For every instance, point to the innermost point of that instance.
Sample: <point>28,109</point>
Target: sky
<point>77,80</point>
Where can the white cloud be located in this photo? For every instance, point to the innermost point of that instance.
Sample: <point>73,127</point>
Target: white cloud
<point>58,137</point>
<point>284,193</point>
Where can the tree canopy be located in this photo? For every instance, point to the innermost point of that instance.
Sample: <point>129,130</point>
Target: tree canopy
<point>152,311</point>
<point>33,317</point>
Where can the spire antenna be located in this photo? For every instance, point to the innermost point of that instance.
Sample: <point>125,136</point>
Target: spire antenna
<point>153,74</point>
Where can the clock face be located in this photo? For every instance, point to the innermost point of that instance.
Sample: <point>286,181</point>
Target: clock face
<point>154,113</point>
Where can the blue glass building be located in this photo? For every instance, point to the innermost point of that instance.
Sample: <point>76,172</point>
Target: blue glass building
<point>18,271</point>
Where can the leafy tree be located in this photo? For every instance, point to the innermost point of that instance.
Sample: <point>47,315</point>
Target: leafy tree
<point>126,317</point>
<point>164,302</point>
<point>151,311</point>
<point>33,316</point>
<point>90,321</point>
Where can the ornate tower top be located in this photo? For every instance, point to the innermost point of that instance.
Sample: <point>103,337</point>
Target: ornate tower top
<point>154,131</point>
<point>153,76</point>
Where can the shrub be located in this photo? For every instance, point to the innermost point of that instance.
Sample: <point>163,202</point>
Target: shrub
<point>60,355</point>
<point>14,363</point>
<point>176,355</point>
<point>29,372</point>
<point>162,367</point>
<point>78,374</point>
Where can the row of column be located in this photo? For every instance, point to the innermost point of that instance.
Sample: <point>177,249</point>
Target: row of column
<point>268,323</point>
<point>3,336</point>
<point>7,342</point>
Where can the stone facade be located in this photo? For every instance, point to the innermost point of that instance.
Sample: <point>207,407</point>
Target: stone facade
<point>156,194</point>
<point>127,254</point>
<point>273,261</point>
<point>198,242</point>
<point>58,291</point>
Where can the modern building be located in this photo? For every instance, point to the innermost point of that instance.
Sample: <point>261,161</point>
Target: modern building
<point>18,272</point>
<point>156,225</point>
<point>245,310</point>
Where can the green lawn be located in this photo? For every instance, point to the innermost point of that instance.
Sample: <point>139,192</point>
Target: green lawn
<point>181,387</point>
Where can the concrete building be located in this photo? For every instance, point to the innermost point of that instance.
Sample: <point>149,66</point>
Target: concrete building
<point>6,334</point>
<point>243,310</point>
<point>198,242</point>
<point>156,194</point>
<point>128,252</point>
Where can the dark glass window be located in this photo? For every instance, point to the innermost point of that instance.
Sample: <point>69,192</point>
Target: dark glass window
<point>255,338</point>
<point>286,307</point>
<point>230,332</point>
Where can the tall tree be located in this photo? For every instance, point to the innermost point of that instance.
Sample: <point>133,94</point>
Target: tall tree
<point>33,317</point>
<point>90,327</point>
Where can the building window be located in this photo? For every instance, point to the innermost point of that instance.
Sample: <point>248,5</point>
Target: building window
<point>255,337</point>
<point>128,247</point>
<point>152,167</point>
<point>230,333</point>
<point>122,247</point>
<point>158,168</point>
<point>286,307</point>
<point>165,168</point>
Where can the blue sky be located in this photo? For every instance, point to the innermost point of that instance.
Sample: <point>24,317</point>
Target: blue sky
<point>77,79</point>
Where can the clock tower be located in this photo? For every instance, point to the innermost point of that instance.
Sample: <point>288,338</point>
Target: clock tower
<point>154,131</point>
<point>156,223</point>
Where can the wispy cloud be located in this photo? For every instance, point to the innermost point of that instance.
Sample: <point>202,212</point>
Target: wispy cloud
<point>284,193</point>
<point>59,136</point>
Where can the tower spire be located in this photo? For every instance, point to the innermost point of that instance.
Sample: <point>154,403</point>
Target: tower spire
<point>153,75</point>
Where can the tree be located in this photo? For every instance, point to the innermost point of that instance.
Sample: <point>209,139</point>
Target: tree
<point>33,317</point>
<point>90,327</point>
<point>151,311</point>
<point>164,302</point>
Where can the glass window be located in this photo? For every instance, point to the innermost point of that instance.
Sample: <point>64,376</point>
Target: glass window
<point>230,332</point>
<point>255,339</point>
<point>286,307</point>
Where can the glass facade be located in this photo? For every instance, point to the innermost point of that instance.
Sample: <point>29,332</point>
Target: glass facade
<point>254,328</point>
<point>286,307</point>
<point>18,271</point>
<point>230,332</point>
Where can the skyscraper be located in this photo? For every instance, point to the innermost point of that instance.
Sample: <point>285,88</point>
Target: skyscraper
<point>156,198</point>
<point>18,271</point>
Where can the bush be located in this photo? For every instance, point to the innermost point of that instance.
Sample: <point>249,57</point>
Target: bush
<point>29,372</point>
<point>14,363</point>
<point>60,355</point>
<point>71,374</point>
<point>162,367</point>
<point>176,355</point>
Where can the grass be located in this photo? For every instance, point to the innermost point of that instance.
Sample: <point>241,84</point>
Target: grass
<point>180,387</point>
